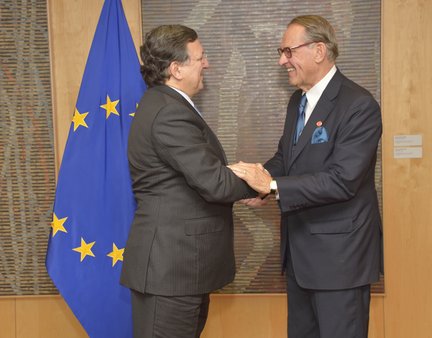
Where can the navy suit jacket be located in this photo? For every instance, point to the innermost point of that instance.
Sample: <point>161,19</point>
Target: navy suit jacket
<point>330,220</point>
<point>181,239</point>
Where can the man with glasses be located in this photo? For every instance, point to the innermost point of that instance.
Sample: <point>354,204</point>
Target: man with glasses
<point>323,177</point>
<point>180,245</point>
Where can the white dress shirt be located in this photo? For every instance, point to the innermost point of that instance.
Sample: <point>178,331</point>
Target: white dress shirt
<point>314,94</point>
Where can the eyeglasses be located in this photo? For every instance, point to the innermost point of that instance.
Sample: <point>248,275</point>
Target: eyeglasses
<point>288,50</point>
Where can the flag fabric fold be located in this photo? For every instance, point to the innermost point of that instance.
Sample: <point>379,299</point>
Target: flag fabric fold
<point>94,204</point>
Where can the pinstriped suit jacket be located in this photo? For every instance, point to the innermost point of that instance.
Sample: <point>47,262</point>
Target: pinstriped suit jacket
<point>181,239</point>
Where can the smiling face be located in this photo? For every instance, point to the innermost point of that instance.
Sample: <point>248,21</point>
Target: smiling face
<point>192,71</point>
<point>306,65</point>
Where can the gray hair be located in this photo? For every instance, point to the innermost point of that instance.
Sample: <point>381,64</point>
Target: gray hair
<point>319,29</point>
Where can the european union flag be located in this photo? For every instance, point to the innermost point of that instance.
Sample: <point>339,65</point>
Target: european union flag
<point>94,204</point>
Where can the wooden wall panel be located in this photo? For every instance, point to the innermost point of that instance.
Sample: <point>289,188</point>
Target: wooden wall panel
<point>406,102</point>
<point>248,316</point>
<point>7,317</point>
<point>239,316</point>
<point>41,317</point>
<point>376,320</point>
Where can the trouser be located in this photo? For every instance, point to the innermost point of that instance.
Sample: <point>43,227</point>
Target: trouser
<point>326,313</point>
<point>157,316</point>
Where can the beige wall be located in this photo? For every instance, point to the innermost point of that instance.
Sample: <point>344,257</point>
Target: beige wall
<point>406,104</point>
<point>231,316</point>
<point>406,308</point>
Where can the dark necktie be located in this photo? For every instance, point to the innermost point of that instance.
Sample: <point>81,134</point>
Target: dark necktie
<point>300,118</point>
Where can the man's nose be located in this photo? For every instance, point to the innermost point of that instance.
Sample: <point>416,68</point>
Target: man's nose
<point>282,59</point>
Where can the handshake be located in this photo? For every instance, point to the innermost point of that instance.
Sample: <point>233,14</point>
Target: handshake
<point>257,177</point>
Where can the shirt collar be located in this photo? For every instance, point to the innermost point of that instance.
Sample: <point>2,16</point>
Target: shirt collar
<point>188,99</point>
<point>186,96</point>
<point>314,94</point>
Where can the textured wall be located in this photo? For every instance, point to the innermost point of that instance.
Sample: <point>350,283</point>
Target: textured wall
<point>27,169</point>
<point>247,92</point>
<point>244,102</point>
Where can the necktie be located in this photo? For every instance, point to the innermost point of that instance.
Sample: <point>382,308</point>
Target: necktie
<point>300,118</point>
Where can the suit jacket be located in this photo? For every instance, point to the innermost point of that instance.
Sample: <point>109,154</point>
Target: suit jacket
<point>181,238</point>
<point>330,220</point>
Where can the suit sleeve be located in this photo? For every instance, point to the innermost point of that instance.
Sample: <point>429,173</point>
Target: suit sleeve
<point>180,140</point>
<point>349,165</point>
<point>275,165</point>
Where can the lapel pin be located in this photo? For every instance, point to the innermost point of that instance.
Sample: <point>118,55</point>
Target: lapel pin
<point>319,123</point>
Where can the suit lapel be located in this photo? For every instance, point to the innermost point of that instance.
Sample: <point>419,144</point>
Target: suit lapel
<point>174,94</point>
<point>290,127</point>
<point>320,113</point>
<point>212,136</point>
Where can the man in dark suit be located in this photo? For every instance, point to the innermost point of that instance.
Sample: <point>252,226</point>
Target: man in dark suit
<point>323,176</point>
<point>180,246</point>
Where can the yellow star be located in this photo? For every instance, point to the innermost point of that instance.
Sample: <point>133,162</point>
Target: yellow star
<point>79,119</point>
<point>110,107</point>
<point>85,249</point>
<point>116,254</point>
<point>57,224</point>
<point>133,114</point>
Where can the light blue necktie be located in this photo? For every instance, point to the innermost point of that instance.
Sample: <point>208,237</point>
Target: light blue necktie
<point>300,118</point>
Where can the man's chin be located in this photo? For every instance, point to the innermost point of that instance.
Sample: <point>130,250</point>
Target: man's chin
<point>292,81</point>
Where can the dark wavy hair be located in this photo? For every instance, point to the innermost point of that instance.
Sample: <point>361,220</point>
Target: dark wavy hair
<point>163,45</point>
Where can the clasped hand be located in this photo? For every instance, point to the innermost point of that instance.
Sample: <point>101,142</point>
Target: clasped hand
<point>255,175</point>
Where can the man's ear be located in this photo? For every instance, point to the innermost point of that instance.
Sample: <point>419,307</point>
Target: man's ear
<point>175,70</point>
<point>320,52</point>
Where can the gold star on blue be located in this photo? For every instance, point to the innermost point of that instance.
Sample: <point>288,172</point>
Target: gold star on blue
<point>116,254</point>
<point>57,224</point>
<point>133,114</point>
<point>110,107</point>
<point>79,119</point>
<point>85,249</point>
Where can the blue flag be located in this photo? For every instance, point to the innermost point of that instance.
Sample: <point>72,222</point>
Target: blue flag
<point>94,204</point>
